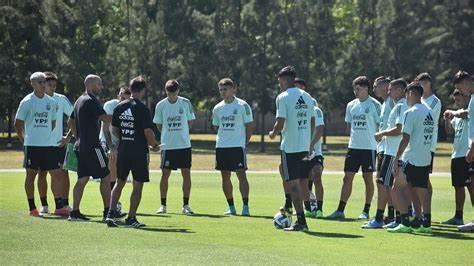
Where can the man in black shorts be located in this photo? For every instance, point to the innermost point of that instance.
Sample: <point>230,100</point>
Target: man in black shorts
<point>132,125</point>
<point>91,158</point>
<point>294,119</point>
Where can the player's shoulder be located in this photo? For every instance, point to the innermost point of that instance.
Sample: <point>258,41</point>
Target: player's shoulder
<point>318,111</point>
<point>241,102</point>
<point>27,98</point>
<point>353,102</point>
<point>162,103</point>
<point>113,102</point>
<point>375,102</point>
<point>282,95</point>
<point>391,102</point>
<point>184,100</point>
<point>219,105</point>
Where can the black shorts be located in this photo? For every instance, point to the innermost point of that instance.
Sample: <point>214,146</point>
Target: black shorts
<point>176,159</point>
<point>471,169</point>
<point>231,159</point>
<point>92,162</point>
<point>460,172</point>
<point>293,167</point>
<point>356,158</point>
<point>40,158</point>
<point>385,176</point>
<point>137,164</point>
<point>379,161</point>
<point>431,163</point>
<point>317,160</point>
<point>417,176</point>
<point>60,155</point>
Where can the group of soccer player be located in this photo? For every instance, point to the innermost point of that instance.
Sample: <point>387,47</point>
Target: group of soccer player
<point>396,139</point>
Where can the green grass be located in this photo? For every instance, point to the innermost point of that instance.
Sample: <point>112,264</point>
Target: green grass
<point>210,237</point>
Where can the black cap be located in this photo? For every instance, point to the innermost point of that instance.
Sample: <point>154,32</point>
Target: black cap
<point>287,71</point>
<point>300,81</point>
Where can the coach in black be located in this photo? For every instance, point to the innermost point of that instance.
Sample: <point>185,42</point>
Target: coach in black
<point>132,125</point>
<point>92,161</point>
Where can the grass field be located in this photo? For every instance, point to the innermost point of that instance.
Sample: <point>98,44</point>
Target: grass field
<point>209,237</point>
<point>204,158</point>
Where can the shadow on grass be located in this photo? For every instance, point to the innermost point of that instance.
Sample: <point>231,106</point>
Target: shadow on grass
<point>448,235</point>
<point>153,215</point>
<point>50,217</point>
<point>206,215</point>
<point>344,220</point>
<point>166,230</point>
<point>332,235</point>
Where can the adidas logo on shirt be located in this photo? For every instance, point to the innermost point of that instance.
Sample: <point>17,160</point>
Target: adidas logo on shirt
<point>127,115</point>
<point>300,104</point>
<point>428,120</point>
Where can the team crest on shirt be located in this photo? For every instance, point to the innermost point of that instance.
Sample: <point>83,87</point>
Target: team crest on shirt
<point>366,110</point>
<point>235,111</point>
<point>181,111</point>
<point>48,106</point>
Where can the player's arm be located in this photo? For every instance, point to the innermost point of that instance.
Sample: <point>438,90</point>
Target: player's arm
<point>277,127</point>
<point>448,127</point>
<point>72,126</point>
<point>391,132</point>
<point>249,127</point>
<point>20,129</point>
<point>462,113</point>
<point>401,148</point>
<point>106,120</point>
<point>318,133</point>
<point>151,140</point>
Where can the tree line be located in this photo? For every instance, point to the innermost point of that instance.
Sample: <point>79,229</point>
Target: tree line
<point>200,41</point>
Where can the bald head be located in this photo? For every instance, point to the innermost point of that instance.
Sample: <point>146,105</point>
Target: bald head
<point>93,84</point>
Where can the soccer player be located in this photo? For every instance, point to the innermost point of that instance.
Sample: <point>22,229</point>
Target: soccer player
<point>392,136</point>
<point>109,106</point>
<point>363,118</point>
<point>34,122</point>
<point>311,202</point>
<point>463,82</point>
<point>414,158</point>
<point>91,158</point>
<point>133,128</point>
<point>234,122</point>
<point>317,165</point>
<point>459,166</point>
<point>173,117</point>
<point>58,141</point>
<point>380,89</point>
<point>294,117</point>
<point>434,103</point>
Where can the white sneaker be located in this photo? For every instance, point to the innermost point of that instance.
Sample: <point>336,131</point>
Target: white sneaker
<point>469,227</point>
<point>44,210</point>
<point>162,209</point>
<point>187,210</point>
<point>363,216</point>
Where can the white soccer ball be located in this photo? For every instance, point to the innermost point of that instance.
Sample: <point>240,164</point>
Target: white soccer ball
<point>281,220</point>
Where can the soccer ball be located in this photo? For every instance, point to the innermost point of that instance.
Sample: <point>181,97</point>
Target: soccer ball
<point>281,220</point>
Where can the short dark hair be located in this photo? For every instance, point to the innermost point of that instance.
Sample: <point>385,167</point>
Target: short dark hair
<point>226,82</point>
<point>172,85</point>
<point>415,87</point>
<point>423,76</point>
<point>124,90</point>
<point>288,71</point>
<point>50,76</point>
<point>300,81</point>
<point>137,84</point>
<point>361,81</point>
<point>460,76</point>
<point>382,79</point>
<point>400,82</point>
